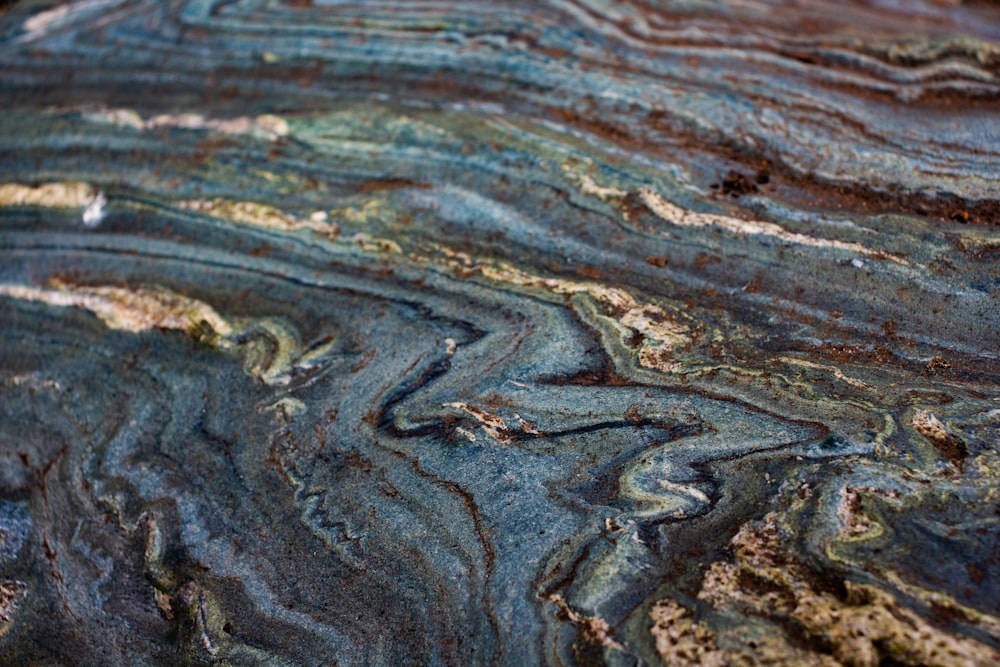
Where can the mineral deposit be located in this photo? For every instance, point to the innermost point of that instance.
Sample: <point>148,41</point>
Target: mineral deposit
<point>563,332</point>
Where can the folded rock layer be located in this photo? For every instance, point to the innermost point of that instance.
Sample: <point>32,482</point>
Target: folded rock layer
<point>568,332</point>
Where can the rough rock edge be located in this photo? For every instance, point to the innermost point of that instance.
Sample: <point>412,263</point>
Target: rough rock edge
<point>865,628</point>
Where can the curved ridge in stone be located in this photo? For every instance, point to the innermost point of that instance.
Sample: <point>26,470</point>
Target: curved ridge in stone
<point>572,332</point>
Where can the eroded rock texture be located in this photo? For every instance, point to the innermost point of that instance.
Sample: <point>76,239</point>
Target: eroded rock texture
<point>543,332</point>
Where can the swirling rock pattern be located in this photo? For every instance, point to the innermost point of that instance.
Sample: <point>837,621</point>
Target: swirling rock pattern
<point>561,332</point>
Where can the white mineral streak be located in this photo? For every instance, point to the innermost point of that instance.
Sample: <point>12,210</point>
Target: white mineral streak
<point>94,213</point>
<point>128,309</point>
<point>44,22</point>
<point>70,194</point>
<point>267,217</point>
<point>32,380</point>
<point>611,297</point>
<point>267,125</point>
<point>493,425</point>
<point>685,489</point>
<point>676,215</point>
<point>259,215</point>
<point>590,188</point>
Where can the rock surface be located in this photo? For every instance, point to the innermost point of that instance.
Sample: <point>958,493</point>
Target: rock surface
<point>561,332</point>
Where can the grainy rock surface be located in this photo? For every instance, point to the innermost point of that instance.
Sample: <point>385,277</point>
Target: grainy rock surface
<point>560,332</point>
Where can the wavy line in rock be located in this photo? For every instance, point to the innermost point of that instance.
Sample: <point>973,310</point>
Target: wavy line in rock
<point>717,120</point>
